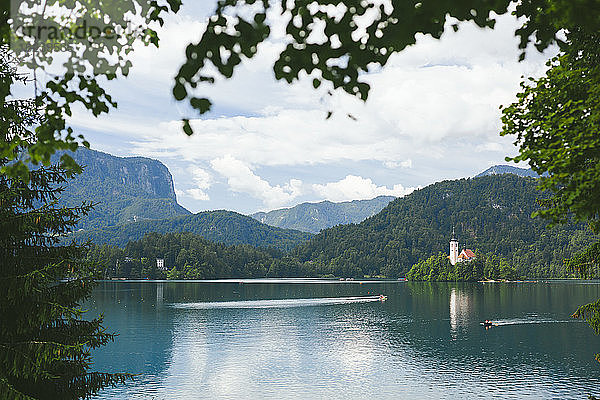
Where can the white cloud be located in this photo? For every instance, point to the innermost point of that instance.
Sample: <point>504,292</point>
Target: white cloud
<point>490,147</point>
<point>433,103</point>
<point>357,188</point>
<point>201,179</point>
<point>430,98</point>
<point>160,65</point>
<point>241,178</point>
<point>197,194</point>
<point>284,137</point>
<point>397,164</point>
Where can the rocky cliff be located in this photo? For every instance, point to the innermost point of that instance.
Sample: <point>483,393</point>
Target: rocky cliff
<point>123,189</point>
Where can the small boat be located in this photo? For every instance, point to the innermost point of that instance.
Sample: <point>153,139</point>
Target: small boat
<point>382,298</point>
<point>487,323</point>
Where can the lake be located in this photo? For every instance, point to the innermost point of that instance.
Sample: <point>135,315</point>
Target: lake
<point>311,339</point>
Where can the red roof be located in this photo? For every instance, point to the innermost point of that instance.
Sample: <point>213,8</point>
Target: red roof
<point>468,253</point>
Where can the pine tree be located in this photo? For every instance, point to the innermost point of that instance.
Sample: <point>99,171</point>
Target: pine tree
<point>45,343</point>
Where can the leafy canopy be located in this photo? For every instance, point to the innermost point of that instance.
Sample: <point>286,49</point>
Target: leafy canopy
<point>556,121</point>
<point>336,41</point>
<point>72,48</point>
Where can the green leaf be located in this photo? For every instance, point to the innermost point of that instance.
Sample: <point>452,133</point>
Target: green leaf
<point>201,104</point>
<point>179,91</point>
<point>187,127</point>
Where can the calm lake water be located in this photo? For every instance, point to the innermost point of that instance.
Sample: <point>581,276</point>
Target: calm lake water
<point>314,339</point>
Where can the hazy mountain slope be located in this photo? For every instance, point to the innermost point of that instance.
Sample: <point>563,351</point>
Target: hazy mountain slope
<point>313,217</point>
<point>507,169</point>
<point>490,213</point>
<point>125,189</point>
<point>219,226</point>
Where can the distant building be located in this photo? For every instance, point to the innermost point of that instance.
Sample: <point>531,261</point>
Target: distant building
<point>160,264</point>
<point>466,255</point>
<point>455,256</point>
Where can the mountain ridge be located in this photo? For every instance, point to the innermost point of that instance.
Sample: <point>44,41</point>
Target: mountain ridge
<point>221,226</point>
<point>314,216</point>
<point>507,169</point>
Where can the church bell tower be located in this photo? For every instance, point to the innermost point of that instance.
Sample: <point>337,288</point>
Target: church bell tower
<point>453,249</point>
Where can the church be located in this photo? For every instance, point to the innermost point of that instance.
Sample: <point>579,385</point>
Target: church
<point>455,256</point>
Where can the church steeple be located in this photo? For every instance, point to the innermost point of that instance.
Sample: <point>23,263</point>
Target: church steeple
<point>453,249</point>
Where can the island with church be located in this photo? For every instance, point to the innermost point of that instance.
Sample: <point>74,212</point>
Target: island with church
<point>456,257</point>
<point>464,265</point>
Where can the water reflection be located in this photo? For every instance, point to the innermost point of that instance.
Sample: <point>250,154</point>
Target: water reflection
<point>403,348</point>
<point>460,305</point>
<point>160,287</point>
<point>188,356</point>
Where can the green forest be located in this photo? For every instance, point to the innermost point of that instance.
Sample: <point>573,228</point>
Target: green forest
<point>491,214</point>
<point>190,256</point>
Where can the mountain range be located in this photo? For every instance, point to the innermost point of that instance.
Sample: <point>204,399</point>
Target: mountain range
<point>381,236</point>
<point>313,217</point>
<point>135,195</point>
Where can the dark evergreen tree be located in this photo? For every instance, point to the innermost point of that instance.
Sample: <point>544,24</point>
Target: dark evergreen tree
<point>45,343</point>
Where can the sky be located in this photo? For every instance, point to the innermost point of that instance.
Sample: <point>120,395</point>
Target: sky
<point>432,114</point>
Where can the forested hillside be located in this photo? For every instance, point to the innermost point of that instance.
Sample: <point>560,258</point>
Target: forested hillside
<point>190,256</point>
<point>313,217</point>
<point>226,227</point>
<point>490,214</point>
<point>123,189</point>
